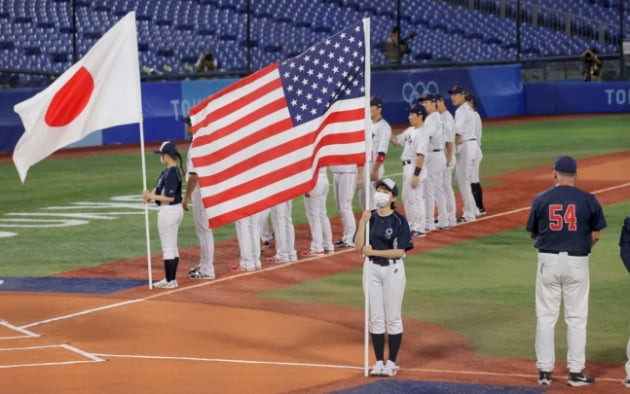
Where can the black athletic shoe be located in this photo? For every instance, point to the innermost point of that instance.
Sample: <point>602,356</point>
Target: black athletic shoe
<point>544,377</point>
<point>579,379</point>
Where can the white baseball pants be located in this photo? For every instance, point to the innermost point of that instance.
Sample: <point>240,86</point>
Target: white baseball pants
<point>561,277</point>
<point>204,233</point>
<point>449,194</point>
<point>434,192</point>
<point>248,234</point>
<point>315,205</point>
<point>413,200</point>
<point>386,287</point>
<point>169,218</point>
<point>344,184</point>
<point>466,162</point>
<point>284,231</point>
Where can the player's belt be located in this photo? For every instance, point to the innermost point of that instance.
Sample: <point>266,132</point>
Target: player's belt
<point>382,261</point>
<point>405,162</point>
<point>471,139</point>
<point>436,150</point>
<point>574,254</point>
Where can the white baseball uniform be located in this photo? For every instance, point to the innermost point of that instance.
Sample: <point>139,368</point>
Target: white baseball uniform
<point>248,234</point>
<point>204,233</point>
<point>284,231</point>
<point>413,198</point>
<point>431,145</point>
<point>447,177</point>
<point>315,205</point>
<point>344,185</point>
<point>468,154</point>
<point>381,133</point>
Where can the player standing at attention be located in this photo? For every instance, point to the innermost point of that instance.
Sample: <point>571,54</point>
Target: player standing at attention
<point>344,184</point>
<point>447,178</point>
<point>168,196</point>
<point>205,268</point>
<point>384,273</point>
<point>284,233</point>
<point>475,185</point>
<point>432,144</point>
<point>315,206</point>
<point>624,253</point>
<point>381,133</point>
<point>413,197</point>
<point>565,223</point>
<point>466,142</point>
<point>248,235</point>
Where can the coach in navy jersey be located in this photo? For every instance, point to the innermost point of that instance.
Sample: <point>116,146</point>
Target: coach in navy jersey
<point>565,223</point>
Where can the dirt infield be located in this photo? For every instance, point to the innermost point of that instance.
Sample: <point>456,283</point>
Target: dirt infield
<point>218,336</point>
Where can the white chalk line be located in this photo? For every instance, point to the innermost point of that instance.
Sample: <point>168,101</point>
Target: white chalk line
<point>91,358</point>
<point>26,333</point>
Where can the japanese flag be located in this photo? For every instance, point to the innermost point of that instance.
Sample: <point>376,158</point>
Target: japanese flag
<point>99,91</point>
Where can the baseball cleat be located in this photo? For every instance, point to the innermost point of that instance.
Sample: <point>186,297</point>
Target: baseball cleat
<point>418,234</point>
<point>544,378</point>
<point>342,244</point>
<point>309,252</point>
<point>377,369</point>
<point>199,275</point>
<point>626,382</point>
<point>275,259</point>
<point>579,379</point>
<point>329,251</point>
<point>194,269</point>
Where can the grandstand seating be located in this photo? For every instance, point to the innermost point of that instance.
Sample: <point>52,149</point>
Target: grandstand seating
<point>38,34</point>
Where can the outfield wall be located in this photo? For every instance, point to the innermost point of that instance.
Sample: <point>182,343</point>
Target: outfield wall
<point>499,88</point>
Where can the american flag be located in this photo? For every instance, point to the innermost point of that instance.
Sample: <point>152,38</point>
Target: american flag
<point>261,140</point>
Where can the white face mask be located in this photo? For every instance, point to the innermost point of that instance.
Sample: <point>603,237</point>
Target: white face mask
<point>162,159</point>
<point>381,199</point>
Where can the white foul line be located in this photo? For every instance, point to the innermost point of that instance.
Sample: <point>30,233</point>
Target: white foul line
<point>26,333</point>
<point>92,358</point>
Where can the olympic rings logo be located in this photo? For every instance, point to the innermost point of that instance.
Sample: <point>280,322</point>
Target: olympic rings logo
<point>412,92</point>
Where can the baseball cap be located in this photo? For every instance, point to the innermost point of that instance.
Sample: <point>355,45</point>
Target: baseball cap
<point>427,97</point>
<point>388,184</point>
<point>456,89</point>
<point>167,147</point>
<point>471,97</point>
<point>438,97</point>
<point>418,110</point>
<point>376,102</point>
<point>565,164</point>
<point>186,119</point>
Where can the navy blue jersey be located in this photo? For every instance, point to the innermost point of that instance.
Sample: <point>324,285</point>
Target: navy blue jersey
<point>389,232</point>
<point>624,243</point>
<point>169,184</point>
<point>563,218</point>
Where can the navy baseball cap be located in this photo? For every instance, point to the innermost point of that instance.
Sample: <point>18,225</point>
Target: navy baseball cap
<point>456,89</point>
<point>376,102</point>
<point>471,97</point>
<point>388,184</point>
<point>427,97</point>
<point>565,164</point>
<point>167,148</point>
<point>438,97</point>
<point>418,110</point>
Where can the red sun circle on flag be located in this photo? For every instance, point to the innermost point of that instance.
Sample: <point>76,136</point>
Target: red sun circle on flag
<point>71,99</point>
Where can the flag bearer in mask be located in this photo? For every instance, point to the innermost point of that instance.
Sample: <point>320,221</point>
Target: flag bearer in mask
<point>384,273</point>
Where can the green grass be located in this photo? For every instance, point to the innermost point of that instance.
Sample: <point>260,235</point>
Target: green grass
<point>484,291</point>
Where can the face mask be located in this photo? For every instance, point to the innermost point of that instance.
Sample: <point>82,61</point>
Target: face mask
<point>162,159</point>
<point>381,199</point>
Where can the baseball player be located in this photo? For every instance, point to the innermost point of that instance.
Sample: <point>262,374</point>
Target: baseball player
<point>248,235</point>
<point>282,222</point>
<point>447,177</point>
<point>344,184</point>
<point>432,143</point>
<point>468,148</point>
<point>381,133</point>
<point>413,197</point>
<point>475,185</point>
<point>315,206</point>
<point>565,223</point>
<point>168,196</point>
<point>205,267</point>
<point>624,252</point>
<point>266,231</point>
<point>384,273</point>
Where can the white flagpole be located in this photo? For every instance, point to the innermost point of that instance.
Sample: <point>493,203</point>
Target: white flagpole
<point>366,189</point>
<point>146,206</point>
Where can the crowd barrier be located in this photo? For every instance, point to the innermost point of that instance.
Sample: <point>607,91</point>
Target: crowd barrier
<point>500,91</point>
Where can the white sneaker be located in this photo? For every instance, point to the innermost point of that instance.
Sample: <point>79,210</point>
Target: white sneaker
<point>377,369</point>
<point>170,285</point>
<point>390,368</point>
<point>160,283</point>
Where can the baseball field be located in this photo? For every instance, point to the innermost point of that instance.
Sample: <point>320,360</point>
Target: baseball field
<point>77,316</point>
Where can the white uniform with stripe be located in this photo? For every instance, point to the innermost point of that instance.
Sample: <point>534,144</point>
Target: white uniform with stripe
<point>468,154</point>
<point>431,145</point>
<point>477,161</point>
<point>381,133</point>
<point>284,231</point>
<point>413,198</point>
<point>315,205</point>
<point>204,233</point>
<point>447,175</point>
<point>248,234</point>
<point>344,185</point>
